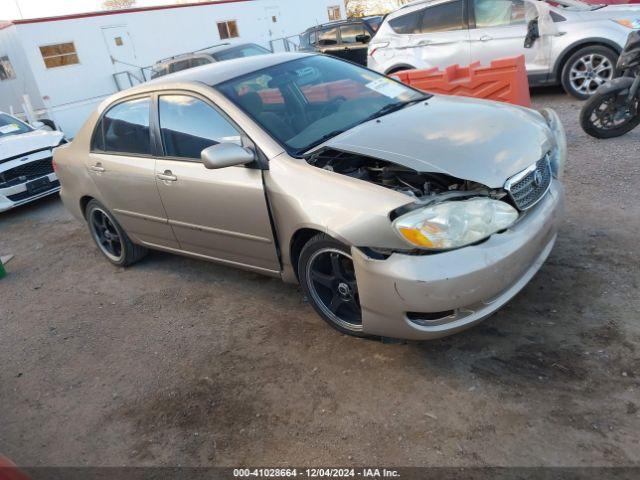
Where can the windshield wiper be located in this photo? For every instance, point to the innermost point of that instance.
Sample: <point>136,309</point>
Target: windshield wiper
<point>394,107</point>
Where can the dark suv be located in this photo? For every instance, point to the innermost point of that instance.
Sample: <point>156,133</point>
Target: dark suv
<point>346,39</point>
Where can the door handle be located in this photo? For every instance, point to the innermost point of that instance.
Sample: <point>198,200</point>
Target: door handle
<point>485,38</point>
<point>97,168</point>
<point>167,176</point>
<point>423,43</point>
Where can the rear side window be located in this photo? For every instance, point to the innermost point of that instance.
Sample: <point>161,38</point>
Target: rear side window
<point>406,23</point>
<point>328,37</point>
<point>179,65</point>
<point>348,33</point>
<point>445,17</point>
<point>198,62</point>
<point>189,125</point>
<point>124,129</point>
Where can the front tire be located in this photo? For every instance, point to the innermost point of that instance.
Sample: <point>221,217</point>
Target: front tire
<point>588,69</point>
<point>111,239</point>
<point>604,117</point>
<point>327,277</point>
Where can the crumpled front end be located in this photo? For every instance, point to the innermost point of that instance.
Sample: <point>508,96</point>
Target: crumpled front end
<point>427,296</point>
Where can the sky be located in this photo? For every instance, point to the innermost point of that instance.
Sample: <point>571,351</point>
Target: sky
<point>47,8</point>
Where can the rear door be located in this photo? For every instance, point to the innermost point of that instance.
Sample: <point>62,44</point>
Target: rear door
<point>354,39</point>
<point>221,214</point>
<point>498,30</point>
<point>122,167</point>
<point>328,42</point>
<point>440,35</point>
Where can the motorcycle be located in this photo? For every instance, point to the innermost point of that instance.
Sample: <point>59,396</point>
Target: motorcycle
<point>615,107</point>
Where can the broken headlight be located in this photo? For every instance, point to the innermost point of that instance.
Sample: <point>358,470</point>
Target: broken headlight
<point>454,224</point>
<point>558,157</point>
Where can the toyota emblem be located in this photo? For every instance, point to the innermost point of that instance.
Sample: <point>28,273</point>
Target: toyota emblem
<point>537,179</point>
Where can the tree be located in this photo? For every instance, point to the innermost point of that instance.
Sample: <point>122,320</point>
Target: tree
<point>360,8</point>
<point>117,4</point>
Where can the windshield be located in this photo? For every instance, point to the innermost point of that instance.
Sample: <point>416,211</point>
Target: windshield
<point>239,52</point>
<point>304,102</point>
<point>12,126</point>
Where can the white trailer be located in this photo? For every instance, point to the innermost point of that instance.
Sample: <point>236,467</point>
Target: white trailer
<point>62,67</point>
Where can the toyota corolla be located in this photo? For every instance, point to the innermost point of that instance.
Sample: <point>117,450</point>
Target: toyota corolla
<point>399,213</point>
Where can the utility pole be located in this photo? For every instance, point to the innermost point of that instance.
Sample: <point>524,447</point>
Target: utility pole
<point>18,7</point>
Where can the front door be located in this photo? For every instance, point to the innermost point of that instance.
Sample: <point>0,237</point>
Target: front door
<point>122,52</point>
<point>122,167</point>
<point>500,31</point>
<point>354,39</point>
<point>219,214</point>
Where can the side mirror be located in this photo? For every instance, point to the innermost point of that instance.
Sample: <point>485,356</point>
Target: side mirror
<point>38,125</point>
<point>363,38</point>
<point>225,155</point>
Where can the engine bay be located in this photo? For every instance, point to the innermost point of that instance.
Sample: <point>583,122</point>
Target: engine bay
<point>415,184</point>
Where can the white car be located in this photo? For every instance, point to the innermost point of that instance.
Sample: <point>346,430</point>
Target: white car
<point>580,54</point>
<point>26,170</point>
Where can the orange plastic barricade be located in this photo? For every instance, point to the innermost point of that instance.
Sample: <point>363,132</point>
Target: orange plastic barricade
<point>9,471</point>
<point>505,80</point>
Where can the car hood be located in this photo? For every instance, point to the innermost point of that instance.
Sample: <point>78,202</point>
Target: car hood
<point>14,145</point>
<point>476,140</point>
<point>613,11</point>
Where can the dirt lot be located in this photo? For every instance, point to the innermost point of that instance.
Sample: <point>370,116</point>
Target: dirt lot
<point>182,362</point>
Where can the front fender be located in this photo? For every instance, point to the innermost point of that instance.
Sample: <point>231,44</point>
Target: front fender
<point>352,211</point>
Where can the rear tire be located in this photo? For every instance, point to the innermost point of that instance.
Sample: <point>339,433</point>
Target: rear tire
<point>327,277</point>
<point>588,69</point>
<point>595,111</point>
<point>110,237</point>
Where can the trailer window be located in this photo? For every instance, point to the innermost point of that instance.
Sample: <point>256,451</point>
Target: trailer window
<point>228,29</point>
<point>334,12</point>
<point>59,55</point>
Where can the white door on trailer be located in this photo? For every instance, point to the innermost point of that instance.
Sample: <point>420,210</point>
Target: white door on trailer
<point>275,30</point>
<point>126,69</point>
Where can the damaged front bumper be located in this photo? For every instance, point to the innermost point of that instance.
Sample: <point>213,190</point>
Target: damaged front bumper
<point>419,297</point>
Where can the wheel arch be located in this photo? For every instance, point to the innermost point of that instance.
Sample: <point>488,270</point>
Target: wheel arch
<point>84,201</point>
<point>298,240</point>
<point>399,68</point>
<point>574,47</point>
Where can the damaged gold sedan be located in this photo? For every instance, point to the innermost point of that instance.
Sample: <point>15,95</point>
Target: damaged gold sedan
<point>400,214</point>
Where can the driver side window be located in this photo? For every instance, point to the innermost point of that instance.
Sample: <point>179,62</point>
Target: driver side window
<point>499,13</point>
<point>189,125</point>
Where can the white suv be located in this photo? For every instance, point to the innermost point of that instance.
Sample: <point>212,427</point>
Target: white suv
<point>26,170</point>
<point>437,33</point>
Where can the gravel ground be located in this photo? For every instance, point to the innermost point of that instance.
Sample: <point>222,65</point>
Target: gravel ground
<point>182,362</point>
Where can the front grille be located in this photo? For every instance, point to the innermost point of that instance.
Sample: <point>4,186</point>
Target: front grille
<point>527,188</point>
<point>26,194</point>
<point>26,172</point>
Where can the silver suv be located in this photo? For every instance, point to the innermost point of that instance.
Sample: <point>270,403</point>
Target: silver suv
<point>437,33</point>
<point>216,53</point>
